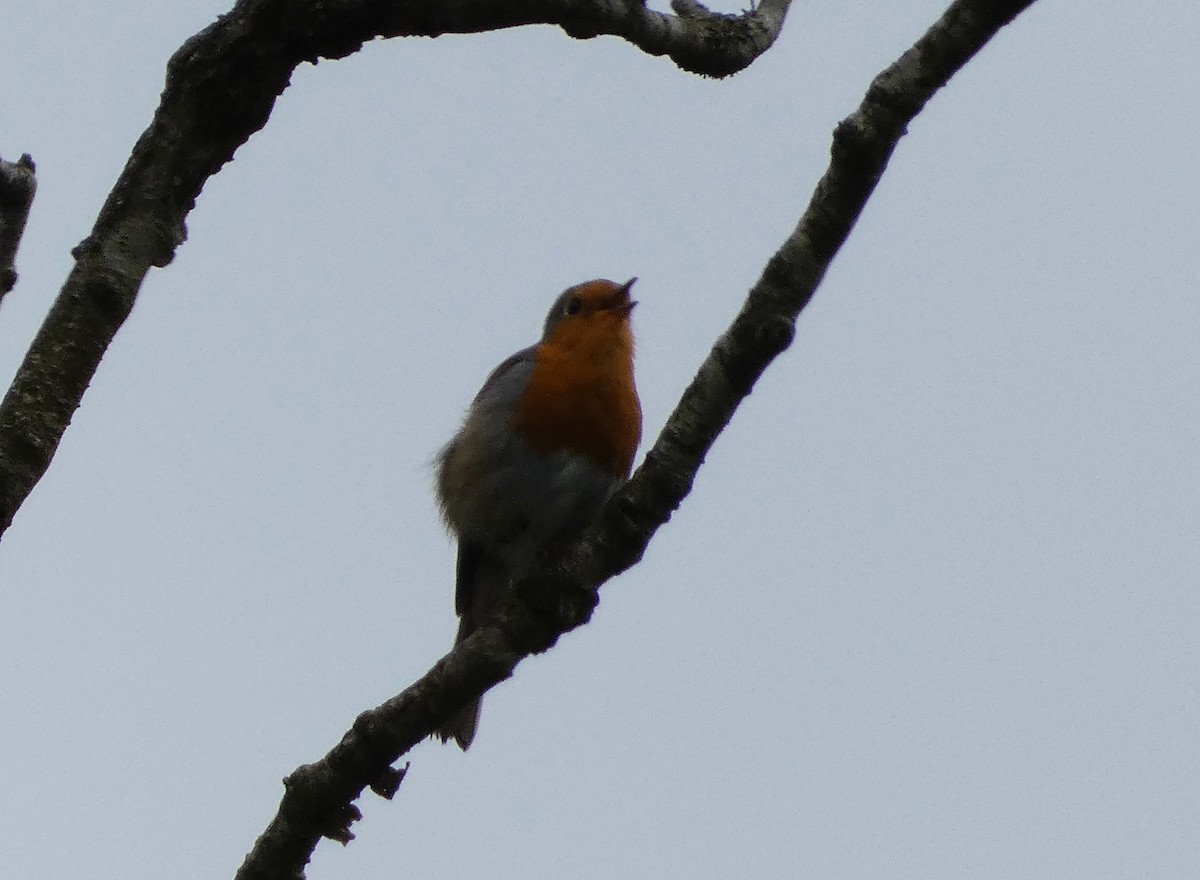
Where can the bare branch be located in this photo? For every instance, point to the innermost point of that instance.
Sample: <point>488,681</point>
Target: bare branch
<point>18,184</point>
<point>862,145</point>
<point>220,89</point>
<point>550,601</point>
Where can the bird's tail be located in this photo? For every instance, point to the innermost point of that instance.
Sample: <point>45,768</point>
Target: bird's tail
<point>461,726</point>
<point>482,581</point>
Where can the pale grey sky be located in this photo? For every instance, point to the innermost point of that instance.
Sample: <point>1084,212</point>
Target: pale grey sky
<point>931,611</point>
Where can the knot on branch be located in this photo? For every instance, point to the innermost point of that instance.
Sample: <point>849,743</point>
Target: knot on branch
<point>388,782</point>
<point>859,145</point>
<point>307,801</point>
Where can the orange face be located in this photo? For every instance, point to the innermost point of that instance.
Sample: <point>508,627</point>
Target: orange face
<point>589,310</point>
<point>581,395</point>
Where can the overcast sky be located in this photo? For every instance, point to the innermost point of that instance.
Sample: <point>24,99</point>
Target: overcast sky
<point>931,611</point>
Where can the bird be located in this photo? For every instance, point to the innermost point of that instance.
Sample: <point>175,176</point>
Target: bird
<point>551,433</point>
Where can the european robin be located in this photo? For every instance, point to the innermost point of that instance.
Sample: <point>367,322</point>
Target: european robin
<point>550,434</point>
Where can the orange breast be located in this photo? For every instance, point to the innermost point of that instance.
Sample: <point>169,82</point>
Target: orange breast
<point>580,396</point>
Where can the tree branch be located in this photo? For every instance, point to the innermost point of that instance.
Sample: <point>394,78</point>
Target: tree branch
<point>18,184</point>
<point>559,596</point>
<point>220,89</point>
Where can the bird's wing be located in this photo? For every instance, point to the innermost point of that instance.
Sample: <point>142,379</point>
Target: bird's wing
<point>505,383</point>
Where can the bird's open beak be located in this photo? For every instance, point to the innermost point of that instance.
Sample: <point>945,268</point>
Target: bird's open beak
<point>620,301</point>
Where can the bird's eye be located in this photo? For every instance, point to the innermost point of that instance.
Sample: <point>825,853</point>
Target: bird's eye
<point>574,306</point>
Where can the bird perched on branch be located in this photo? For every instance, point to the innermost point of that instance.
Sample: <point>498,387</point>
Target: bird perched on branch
<point>552,432</point>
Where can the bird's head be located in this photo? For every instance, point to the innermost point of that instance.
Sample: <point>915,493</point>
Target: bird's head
<point>594,308</point>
